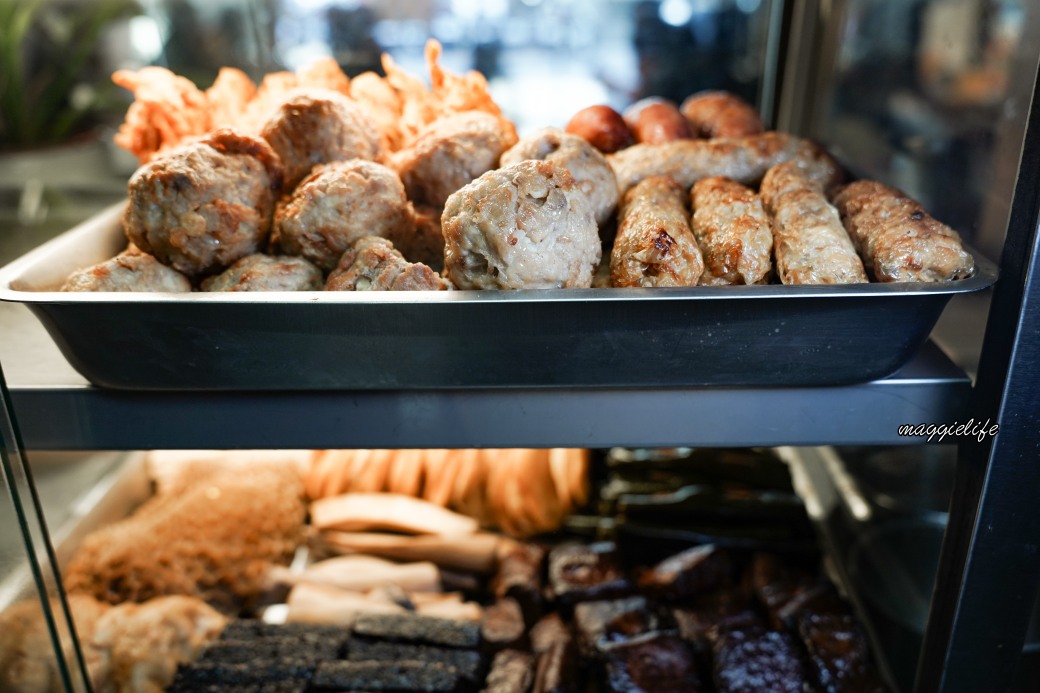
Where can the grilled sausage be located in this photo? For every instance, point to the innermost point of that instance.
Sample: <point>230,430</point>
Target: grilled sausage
<point>654,121</point>
<point>743,159</point>
<point>897,240</point>
<point>733,232</point>
<point>654,244</point>
<point>720,114</point>
<point>809,243</point>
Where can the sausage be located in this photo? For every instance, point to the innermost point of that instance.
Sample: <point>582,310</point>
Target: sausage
<point>733,232</point>
<point>720,114</point>
<point>654,121</point>
<point>602,127</point>
<point>743,159</point>
<point>809,242</point>
<point>897,240</point>
<point>654,244</point>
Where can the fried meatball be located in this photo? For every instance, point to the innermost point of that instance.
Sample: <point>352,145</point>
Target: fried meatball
<point>589,167</point>
<point>423,241</point>
<point>525,226</point>
<point>129,271</point>
<point>373,264</point>
<point>449,153</point>
<point>259,272</point>
<point>337,204</point>
<point>202,206</point>
<point>317,127</point>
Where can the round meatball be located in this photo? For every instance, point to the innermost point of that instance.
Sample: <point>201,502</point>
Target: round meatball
<point>525,226</point>
<point>259,272</point>
<point>373,264</point>
<point>128,271</point>
<point>587,164</point>
<point>423,241</point>
<point>317,127</point>
<point>203,205</point>
<point>449,153</point>
<point>337,204</point>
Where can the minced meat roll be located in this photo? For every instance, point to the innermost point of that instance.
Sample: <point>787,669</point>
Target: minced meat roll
<point>525,226</point>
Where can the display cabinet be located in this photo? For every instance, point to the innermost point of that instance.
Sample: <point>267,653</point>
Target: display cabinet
<point>990,563</point>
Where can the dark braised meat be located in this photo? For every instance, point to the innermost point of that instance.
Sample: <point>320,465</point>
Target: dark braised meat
<point>201,674</point>
<point>689,573</point>
<point>658,662</point>
<point>503,624</point>
<point>557,668</point>
<point>583,572</point>
<point>712,614</point>
<point>603,622</point>
<point>755,660</point>
<point>785,589</point>
<point>549,630</point>
<point>512,671</point>
<point>519,576</point>
<point>838,654</point>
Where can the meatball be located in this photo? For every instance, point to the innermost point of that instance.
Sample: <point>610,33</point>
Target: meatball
<point>589,167</point>
<point>337,204</point>
<point>373,264</point>
<point>317,127</point>
<point>525,226</point>
<point>202,206</point>
<point>423,242</point>
<point>128,271</point>
<point>449,153</point>
<point>259,272</point>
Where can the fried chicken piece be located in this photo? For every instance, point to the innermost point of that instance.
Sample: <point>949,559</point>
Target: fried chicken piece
<point>318,127</point>
<point>372,264</point>
<point>655,245</point>
<point>525,226</point>
<point>259,272</point>
<point>129,271</point>
<point>809,242</point>
<point>338,204</point>
<point>449,153</point>
<point>586,164</point>
<point>897,240</point>
<point>200,207</point>
<point>733,232</point>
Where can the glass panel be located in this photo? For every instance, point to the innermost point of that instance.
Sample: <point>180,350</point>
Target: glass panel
<point>918,93</point>
<point>545,59</point>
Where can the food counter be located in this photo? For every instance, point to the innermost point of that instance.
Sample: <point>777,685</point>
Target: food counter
<point>927,388</point>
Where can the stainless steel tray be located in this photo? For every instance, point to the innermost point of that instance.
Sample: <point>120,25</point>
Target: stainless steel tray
<point>701,336</point>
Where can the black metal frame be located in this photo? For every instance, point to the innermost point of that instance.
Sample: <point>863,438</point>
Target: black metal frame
<point>990,560</point>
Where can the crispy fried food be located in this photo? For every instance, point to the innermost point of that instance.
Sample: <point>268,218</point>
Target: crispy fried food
<point>169,109</point>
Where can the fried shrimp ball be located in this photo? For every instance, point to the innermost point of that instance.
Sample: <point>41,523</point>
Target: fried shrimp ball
<point>337,204</point>
<point>259,272</point>
<point>202,206</point>
<point>525,226</point>
<point>317,127</point>
<point>449,153</point>
<point>589,167</point>
<point>129,271</point>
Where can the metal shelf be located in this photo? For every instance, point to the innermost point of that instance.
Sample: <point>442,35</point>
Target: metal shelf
<point>58,410</point>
